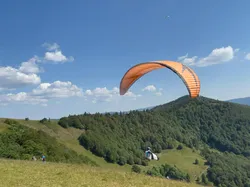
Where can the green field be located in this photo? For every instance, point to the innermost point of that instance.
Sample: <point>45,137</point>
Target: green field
<point>183,159</point>
<point>29,173</point>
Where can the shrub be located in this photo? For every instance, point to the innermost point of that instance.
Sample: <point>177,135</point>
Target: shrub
<point>136,169</point>
<point>180,147</point>
<point>196,161</point>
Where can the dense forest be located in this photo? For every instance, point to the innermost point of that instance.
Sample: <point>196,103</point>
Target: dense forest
<point>20,142</point>
<point>222,125</point>
<point>197,123</point>
<point>227,169</point>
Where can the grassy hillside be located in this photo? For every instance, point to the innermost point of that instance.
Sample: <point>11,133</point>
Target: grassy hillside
<point>183,159</point>
<point>180,132</point>
<point>28,173</point>
<point>199,124</point>
<point>68,137</point>
<point>21,142</point>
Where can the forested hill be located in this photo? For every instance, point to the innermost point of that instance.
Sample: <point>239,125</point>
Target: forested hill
<point>222,125</point>
<point>123,138</point>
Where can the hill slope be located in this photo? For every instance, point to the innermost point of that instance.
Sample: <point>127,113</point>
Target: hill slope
<point>20,142</point>
<point>67,137</point>
<point>178,131</point>
<point>197,123</point>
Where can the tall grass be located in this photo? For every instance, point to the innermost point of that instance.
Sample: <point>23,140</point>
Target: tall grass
<point>28,173</point>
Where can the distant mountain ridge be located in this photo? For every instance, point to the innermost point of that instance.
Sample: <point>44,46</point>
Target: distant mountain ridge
<point>243,100</point>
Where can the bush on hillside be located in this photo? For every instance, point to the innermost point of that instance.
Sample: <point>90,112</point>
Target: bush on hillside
<point>44,120</point>
<point>196,162</point>
<point>180,147</point>
<point>136,169</point>
<point>10,121</point>
<point>168,171</point>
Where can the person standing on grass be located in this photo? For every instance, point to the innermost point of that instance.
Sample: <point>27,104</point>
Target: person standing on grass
<point>43,158</point>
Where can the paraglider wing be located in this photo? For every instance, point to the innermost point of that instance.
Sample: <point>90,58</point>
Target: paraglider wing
<point>151,156</point>
<point>154,157</point>
<point>187,75</point>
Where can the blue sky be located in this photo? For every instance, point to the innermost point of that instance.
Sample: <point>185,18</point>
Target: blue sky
<point>68,57</point>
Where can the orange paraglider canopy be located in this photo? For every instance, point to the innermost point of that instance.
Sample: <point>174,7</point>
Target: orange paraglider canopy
<point>187,75</point>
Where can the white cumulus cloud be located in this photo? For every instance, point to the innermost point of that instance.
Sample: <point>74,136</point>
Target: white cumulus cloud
<point>105,95</point>
<point>132,95</point>
<point>30,66</point>
<point>21,97</point>
<point>102,94</point>
<point>158,93</point>
<point>187,61</point>
<point>236,50</point>
<point>247,57</point>
<point>150,88</point>
<point>217,56</point>
<point>43,93</point>
<point>51,47</point>
<point>57,89</point>
<point>12,78</point>
<point>55,54</point>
